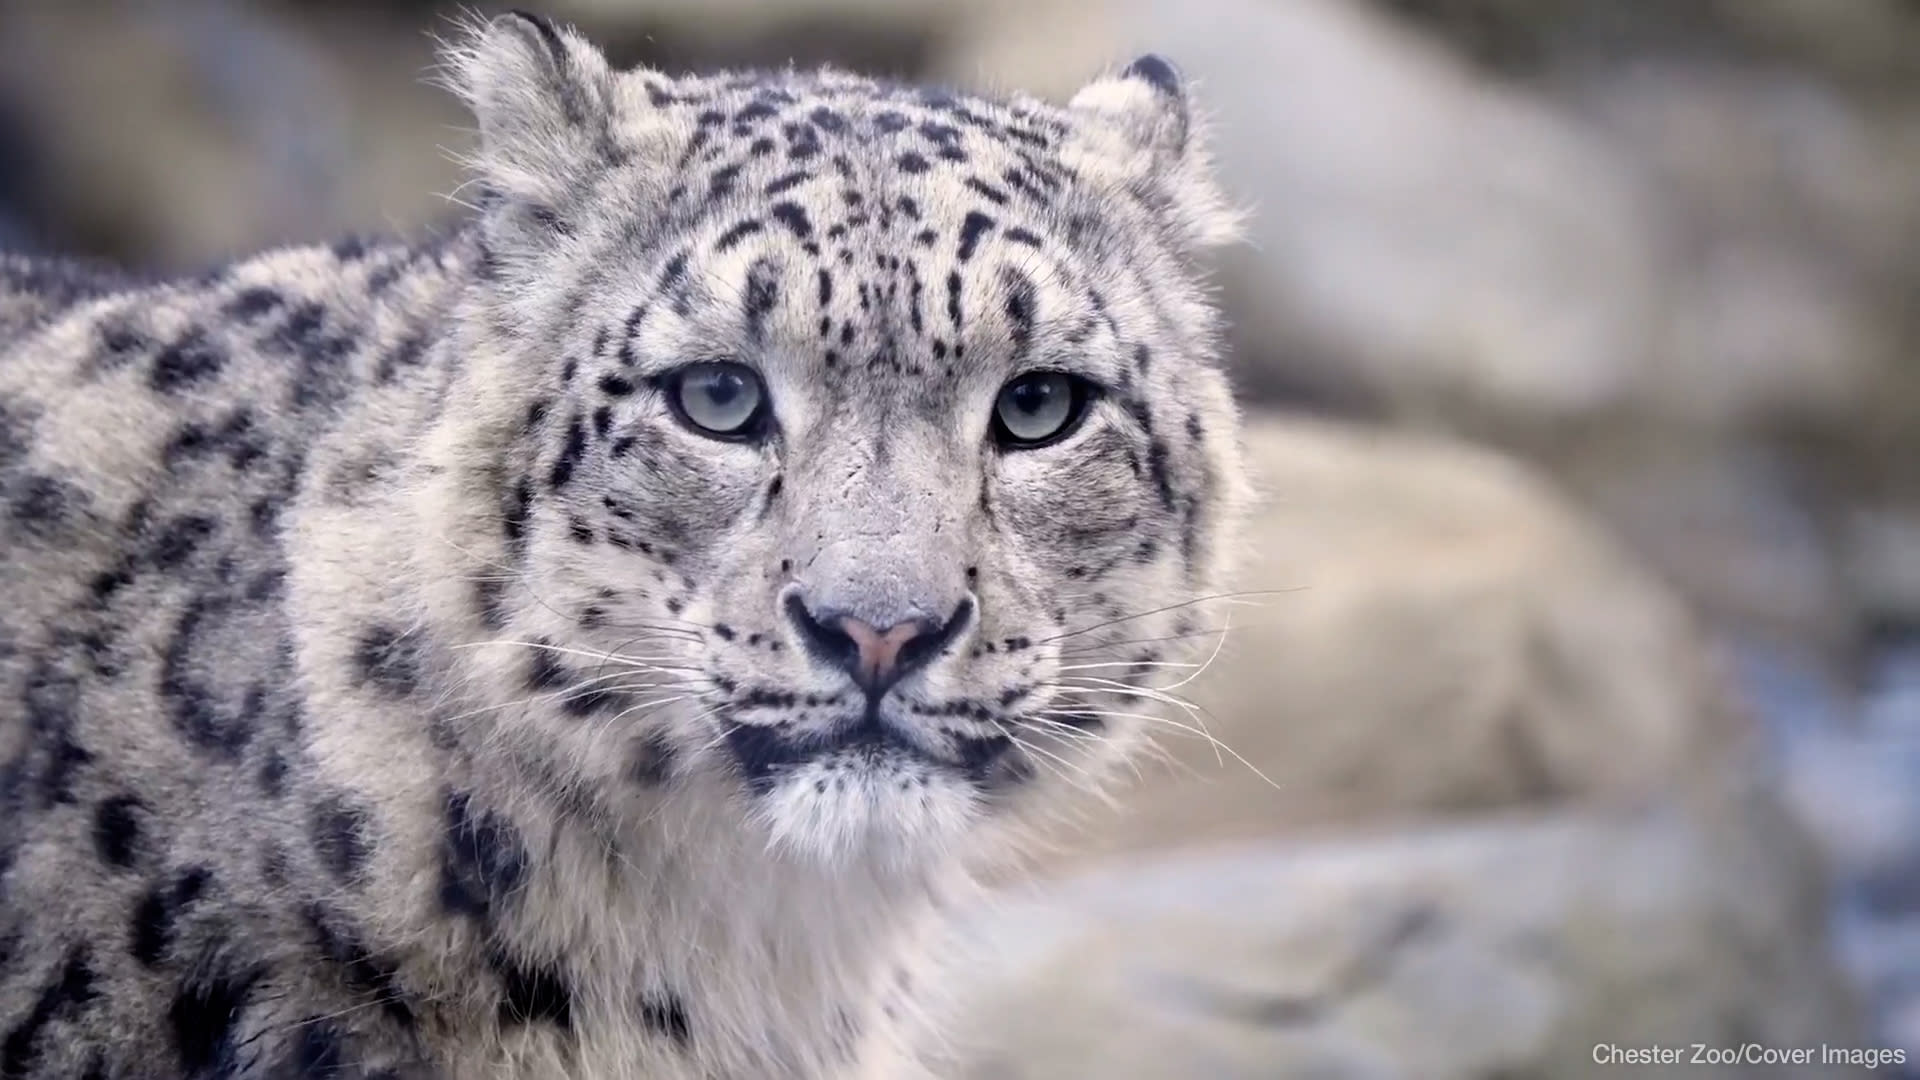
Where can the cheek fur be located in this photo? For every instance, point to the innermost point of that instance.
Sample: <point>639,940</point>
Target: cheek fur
<point>658,494</point>
<point>1084,509</point>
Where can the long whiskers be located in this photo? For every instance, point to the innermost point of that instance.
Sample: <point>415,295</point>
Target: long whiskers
<point>1090,712</point>
<point>1227,597</point>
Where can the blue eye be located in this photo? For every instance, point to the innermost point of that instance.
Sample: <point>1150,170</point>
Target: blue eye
<point>724,400</point>
<point>1038,408</point>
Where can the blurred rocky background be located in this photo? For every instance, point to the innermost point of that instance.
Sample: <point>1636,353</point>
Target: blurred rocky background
<point>1580,702</point>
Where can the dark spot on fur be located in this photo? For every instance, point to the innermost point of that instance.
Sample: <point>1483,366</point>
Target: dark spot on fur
<point>673,281</point>
<point>482,860</point>
<point>667,1015</point>
<point>178,541</point>
<point>544,671</point>
<point>953,297</point>
<point>731,238</point>
<point>339,835</point>
<point>971,230</point>
<point>1019,235</point>
<point>409,353</point>
<point>761,296</point>
<point>63,998</point>
<point>794,218</point>
<point>788,182</point>
<point>514,521</point>
<point>650,763</point>
<point>532,993</point>
<point>489,598</point>
<point>1162,476</point>
<point>42,503</point>
<point>122,343</point>
<point>116,830</point>
<point>202,1018</point>
<point>1021,297</point>
<point>194,706</point>
<point>254,303</point>
<point>320,378</point>
<point>570,454</point>
<point>318,1053</point>
<point>154,917</point>
<point>273,775</point>
<point>722,181</point>
<point>189,360</point>
<point>912,163</point>
<point>803,141</point>
<point>373,978</point>
<point>388,659</point>
<point>993,194</point>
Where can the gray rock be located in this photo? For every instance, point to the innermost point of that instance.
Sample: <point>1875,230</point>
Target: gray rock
<point>1505,948</point>
<point>1429,630</point>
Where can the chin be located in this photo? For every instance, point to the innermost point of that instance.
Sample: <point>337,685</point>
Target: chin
<point>889,809</point>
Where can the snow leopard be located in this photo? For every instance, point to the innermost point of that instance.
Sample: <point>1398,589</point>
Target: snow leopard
<point>603,636</point>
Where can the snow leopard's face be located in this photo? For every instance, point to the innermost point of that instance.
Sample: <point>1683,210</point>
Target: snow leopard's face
<point>879,441</point>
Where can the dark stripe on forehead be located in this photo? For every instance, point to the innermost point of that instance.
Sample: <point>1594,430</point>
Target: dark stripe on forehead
<point>732,237</point>
<point>673,283</point>
<point>632,327</point>
<point>1022,298</point>
<point>972,229</point>
<point>762,295</point>
<point>788,182</point>
<point>794,218</point>
<point>993,194</point>
<point>953,297</point>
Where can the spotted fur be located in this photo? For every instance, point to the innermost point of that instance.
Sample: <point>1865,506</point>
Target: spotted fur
<point>391,685</point>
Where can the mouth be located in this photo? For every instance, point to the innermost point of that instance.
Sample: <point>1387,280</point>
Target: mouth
<point>767,753</point>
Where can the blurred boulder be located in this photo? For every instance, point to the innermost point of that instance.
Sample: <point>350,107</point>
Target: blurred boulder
<point>1422,238</point>
<point>1430,631</point>
<point>1501,948</point>
<point>172,136</point>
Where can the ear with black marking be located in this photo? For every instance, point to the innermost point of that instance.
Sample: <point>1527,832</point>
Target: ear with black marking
<point>1140,119</point>
<point>544,99</point>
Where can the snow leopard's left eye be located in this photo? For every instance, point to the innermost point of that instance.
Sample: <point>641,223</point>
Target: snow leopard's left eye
<point>1039,408</point>
<point>721,400</point>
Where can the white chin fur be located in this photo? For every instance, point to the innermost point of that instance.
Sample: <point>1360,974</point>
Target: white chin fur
<point>893,810</point>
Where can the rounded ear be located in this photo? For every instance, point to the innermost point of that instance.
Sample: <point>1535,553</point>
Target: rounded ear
<point>544,100</point>
<point>1141,120</point>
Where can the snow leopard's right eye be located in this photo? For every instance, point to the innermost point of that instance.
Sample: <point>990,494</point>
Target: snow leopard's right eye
<point>721,400</point>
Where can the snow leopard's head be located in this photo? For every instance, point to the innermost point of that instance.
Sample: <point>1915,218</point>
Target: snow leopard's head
<point>865,446</point>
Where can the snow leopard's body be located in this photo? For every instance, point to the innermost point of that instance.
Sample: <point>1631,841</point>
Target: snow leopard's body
<point>390,684</point>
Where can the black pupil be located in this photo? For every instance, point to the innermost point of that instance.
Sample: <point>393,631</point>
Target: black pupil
<point>1030,396</point>
<point>723,386</point>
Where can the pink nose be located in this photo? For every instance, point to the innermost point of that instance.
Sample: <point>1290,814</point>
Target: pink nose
<point>872,656</point>
<point>878,651</point>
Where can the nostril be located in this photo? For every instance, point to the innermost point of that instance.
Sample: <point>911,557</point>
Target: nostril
<point>825,640</point>
<point>916,651</point>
